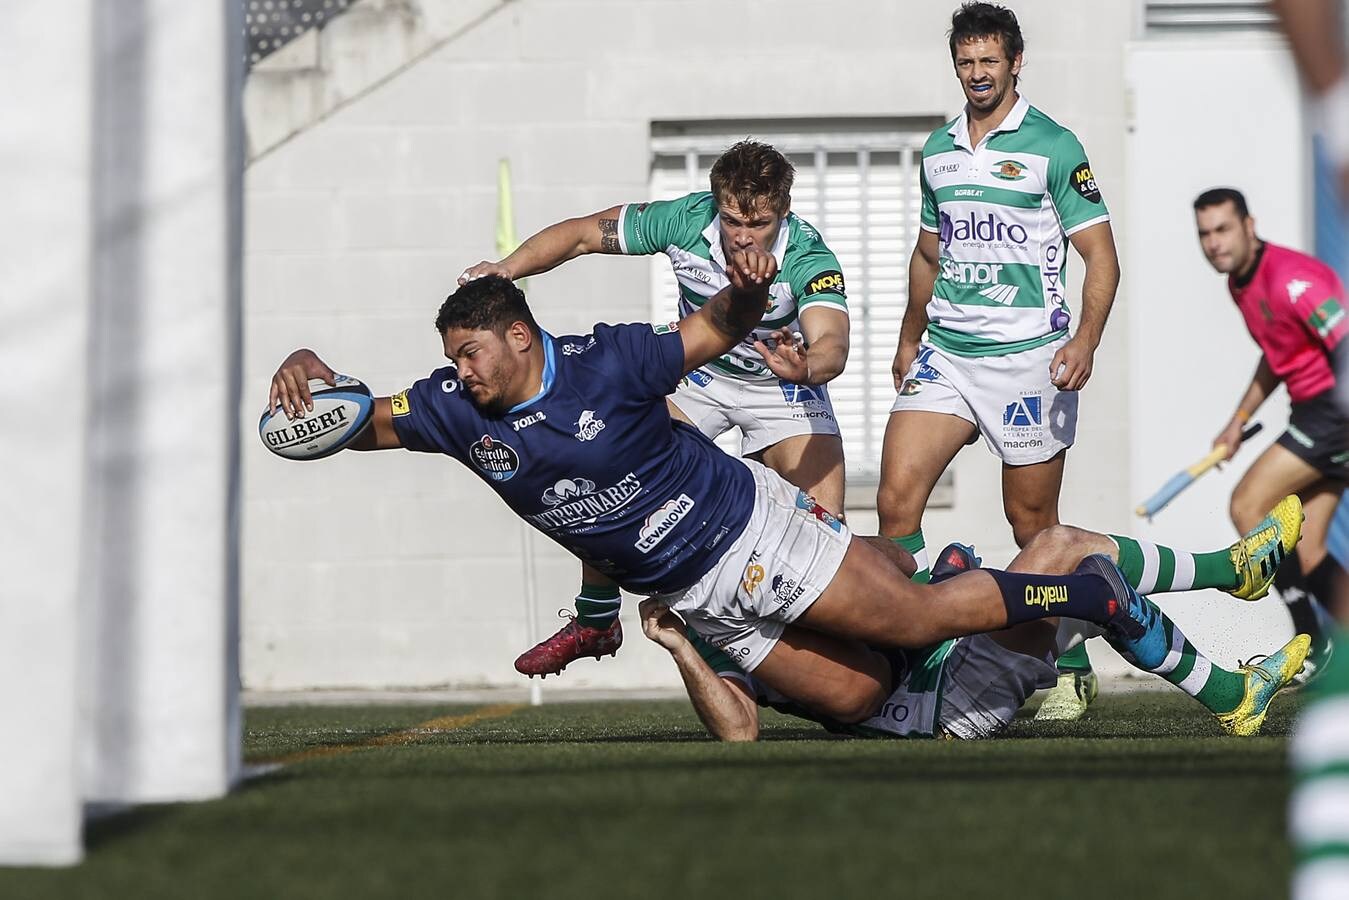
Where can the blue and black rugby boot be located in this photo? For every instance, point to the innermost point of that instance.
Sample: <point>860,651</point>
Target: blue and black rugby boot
<point>954,559</point>
<point>1133,627</point>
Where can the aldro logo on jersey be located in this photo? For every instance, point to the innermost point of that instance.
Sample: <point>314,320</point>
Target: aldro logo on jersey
<point>495,459</point>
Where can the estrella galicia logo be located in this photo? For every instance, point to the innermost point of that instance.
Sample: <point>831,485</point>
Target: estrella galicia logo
<point>588,425</point>
<point>495,459</point>
<point>1023,413</point>
<point>1084,182</point>
<point>700,378</point>
<point>1009,170</point>
<point>946,230</point>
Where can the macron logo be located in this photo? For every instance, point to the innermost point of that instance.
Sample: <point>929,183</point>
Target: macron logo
<point>1296,288</point>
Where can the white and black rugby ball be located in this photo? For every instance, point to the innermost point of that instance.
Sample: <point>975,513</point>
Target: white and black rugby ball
<point>341,412</point>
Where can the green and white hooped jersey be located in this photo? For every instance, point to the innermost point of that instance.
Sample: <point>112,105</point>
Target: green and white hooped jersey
<point>1003,212</point>
<point>688,231</point>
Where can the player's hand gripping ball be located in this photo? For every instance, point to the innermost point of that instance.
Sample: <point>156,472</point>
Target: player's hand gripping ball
<point>341,412</point>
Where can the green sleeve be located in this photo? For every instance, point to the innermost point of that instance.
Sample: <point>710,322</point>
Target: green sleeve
<point>718,661</point>
<point>812,271</point>
<point>653,227</point>
<point>1073,185</point>
<point>928,216</point>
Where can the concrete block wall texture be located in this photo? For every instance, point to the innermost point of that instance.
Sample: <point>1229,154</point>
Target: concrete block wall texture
<point>360,222</point>
<point>46,178</point>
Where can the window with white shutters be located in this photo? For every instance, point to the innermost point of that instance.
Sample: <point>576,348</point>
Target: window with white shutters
<point>857,183</point>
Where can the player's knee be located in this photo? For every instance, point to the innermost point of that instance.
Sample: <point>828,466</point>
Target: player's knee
<point>1049,548</point>
<point>1027,521</point>
<point>898,510</point>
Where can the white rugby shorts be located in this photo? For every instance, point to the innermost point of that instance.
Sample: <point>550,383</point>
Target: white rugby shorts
<point>766,412</point>
<point>781,563</point>
<point>1023,417</point>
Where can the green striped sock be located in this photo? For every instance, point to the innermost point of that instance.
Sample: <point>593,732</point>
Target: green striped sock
<point>1318,811</point>
<point>1152,568</point>
<point>1075,659</point>
<point>915,545</point>
<point>597,605</point>
<point>1219,690</point>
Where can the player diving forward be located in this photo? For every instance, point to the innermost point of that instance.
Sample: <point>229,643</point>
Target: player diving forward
<point>972,687</point>
<point>657,507</point>
<point>769,385</point>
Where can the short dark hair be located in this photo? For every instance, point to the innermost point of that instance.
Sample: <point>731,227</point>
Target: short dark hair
<point>985,20</point>
<point>750,170</point>
<point>1219,196</point>
<point>492,303</point>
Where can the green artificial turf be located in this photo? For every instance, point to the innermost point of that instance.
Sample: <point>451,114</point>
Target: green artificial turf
<point>1142,799</point>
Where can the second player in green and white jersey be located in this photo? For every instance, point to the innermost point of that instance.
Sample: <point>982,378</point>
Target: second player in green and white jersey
<point>1003,213</point>
<point>688,232</point>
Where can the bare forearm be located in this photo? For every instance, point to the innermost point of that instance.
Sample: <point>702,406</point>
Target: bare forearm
<point>825,358</point>
<point>725,715</point>
<point>922,276</point>
<point>1262,385</point>
<point>734,313</point>
<point>1098,296</point>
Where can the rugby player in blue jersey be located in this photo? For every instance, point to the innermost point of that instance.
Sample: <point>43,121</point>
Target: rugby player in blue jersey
<point>573,433</point>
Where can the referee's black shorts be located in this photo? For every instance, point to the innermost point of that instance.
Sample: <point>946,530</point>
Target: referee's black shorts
<point>1318,432</point>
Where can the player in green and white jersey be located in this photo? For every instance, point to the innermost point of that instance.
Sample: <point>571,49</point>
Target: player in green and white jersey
<point>1005,189</point>
<point>772,385</point>
<point>971,687</point>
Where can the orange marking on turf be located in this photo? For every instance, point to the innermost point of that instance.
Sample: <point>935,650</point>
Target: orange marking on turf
<point>396,738</point>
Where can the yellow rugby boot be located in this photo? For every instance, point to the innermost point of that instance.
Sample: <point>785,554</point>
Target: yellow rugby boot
<point>1258,554</point>
<point>1263,681</point>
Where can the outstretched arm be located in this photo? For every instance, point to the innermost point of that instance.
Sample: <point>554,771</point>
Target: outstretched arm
<point>555,245</point>
<point>290,393</point>
<point>725,320</point>
<point>1262,385</point>
<point>724,706</point>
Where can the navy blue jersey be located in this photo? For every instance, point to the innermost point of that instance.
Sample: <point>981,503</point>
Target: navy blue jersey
<point>594,460</point>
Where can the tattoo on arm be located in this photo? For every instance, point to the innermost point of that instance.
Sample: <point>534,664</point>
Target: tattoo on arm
<point>609,236</point>
<point>735,315</point>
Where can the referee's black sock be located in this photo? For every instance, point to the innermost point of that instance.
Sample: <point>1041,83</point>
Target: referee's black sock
<point>1299,592</point>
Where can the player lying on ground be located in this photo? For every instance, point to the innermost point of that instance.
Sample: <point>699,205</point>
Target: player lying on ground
<point>972,687</point>
<point>770,385</point>
<point>573,433</point>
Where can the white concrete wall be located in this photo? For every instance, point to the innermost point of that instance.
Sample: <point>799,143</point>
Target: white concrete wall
<point>1190,356</point>
<point>402,570</point>
<point>45,73</point>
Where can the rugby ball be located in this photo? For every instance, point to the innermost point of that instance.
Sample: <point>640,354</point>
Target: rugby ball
<point>340,413</point>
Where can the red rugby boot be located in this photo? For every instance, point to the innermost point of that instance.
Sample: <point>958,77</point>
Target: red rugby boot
<point>571,643</point>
